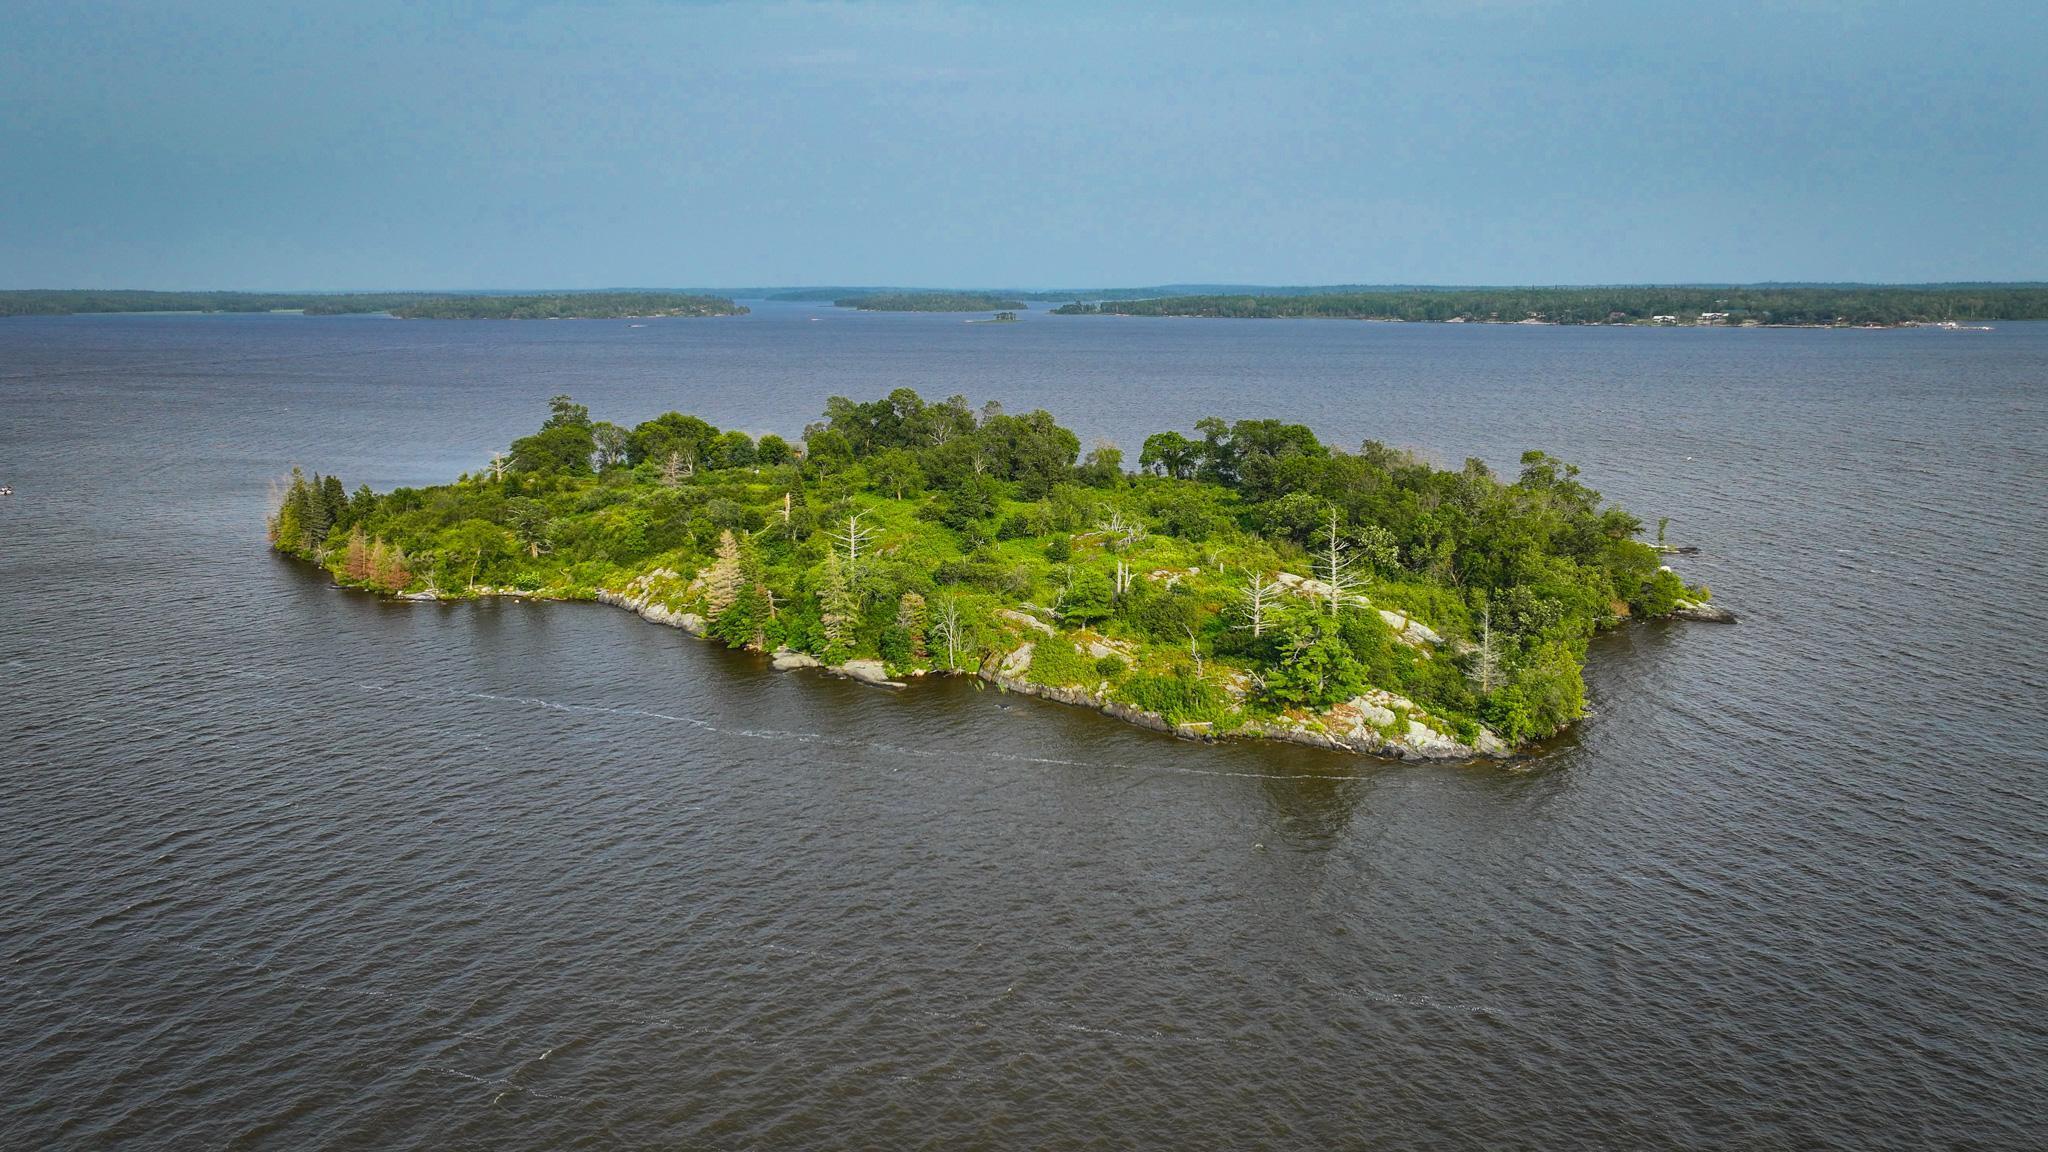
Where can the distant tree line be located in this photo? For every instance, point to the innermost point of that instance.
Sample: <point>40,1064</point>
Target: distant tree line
<point>406,305</point>
<point>1853,305</point>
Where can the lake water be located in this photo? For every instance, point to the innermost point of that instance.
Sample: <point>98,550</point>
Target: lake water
<point>288,867</point>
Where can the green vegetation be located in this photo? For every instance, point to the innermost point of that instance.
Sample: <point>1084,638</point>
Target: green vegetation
<point>1709,305</point>
<point>406,305</point>
<point>1246,576</point>
<point>929,302</point>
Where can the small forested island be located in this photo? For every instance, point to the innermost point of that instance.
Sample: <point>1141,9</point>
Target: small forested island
<point>1248,580</point>
<point>1855,306</point>
<point>404,305</point>
<point>930,302</point>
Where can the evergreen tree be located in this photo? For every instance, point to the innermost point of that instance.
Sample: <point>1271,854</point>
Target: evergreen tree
<point>334,501</point>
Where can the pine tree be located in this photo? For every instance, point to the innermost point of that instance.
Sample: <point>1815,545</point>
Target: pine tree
<point>292,530</point>
<point>334,500</point>
<point>317,518</point>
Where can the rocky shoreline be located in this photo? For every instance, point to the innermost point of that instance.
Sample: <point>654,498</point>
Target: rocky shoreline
<point>1373,723</point>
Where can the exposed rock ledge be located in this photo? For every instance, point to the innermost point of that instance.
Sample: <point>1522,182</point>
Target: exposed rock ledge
<point>1371,723</point>
<point>1706,613</point>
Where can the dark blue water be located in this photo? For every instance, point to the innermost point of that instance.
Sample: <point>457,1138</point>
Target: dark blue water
<point>286,867</point>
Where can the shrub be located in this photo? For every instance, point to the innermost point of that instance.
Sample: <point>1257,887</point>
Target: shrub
<point>1055,663</point>
<point>1179,698</point>
<point>1110,666</point>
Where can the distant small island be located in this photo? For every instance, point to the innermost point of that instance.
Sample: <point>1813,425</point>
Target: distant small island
<point>404,305</point>
<point>930,302</point>
<point>1248,580</point>
<point>1762,306</point>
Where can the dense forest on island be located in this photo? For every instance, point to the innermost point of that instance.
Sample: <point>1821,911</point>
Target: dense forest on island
<point>1732,306</point>
<point>405,305</point>
<point>1245,577</point>
<point>930,302</point>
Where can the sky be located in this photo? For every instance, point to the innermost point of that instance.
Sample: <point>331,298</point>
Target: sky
<point>1028,144</point>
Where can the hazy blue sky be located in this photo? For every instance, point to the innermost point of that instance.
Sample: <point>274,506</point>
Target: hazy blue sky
<point>1029,143</point>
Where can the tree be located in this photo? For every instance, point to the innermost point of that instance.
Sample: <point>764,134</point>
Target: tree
<point>840,610</point>
<point>734,449</point>
<point>609,441</point>
<point>564,443</point>
<point>670,434</point>
<point>1312,667</point>
<point>389,568</point>
<point>722,580</point>
<point>1170,454</point>
<point>1485,669</point>
<point>1087,598</point>
<point>1119,530</point>
<point>895,470</point>
<point>1334,564</point>
<point>531,526</point>
<point>1258,598</point>
<point>772,451</point>
<point>913,620</point>
<point>1104,465</point>
<point>477,541</point>
<point>853,538</point>
<point>288,525</point>
<point>355,564</point>
<point>333,502</point>
<point>946,627</point>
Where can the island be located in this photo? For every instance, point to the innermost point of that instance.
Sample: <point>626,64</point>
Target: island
<point>930,302</point>
<point>1735,307</point>
<point>404,305</point>
<point>1246,580</point>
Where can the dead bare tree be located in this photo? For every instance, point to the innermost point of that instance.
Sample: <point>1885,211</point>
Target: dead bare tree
<point>945,626</point>
<point>1259,593</point>
<point>1335,565</point>
<point>678,467</point>
<point>1486,659</point>
<point>852,538</point>
<point>499,463</point>
<point>1194,649</point>
<point>1121,532</point>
